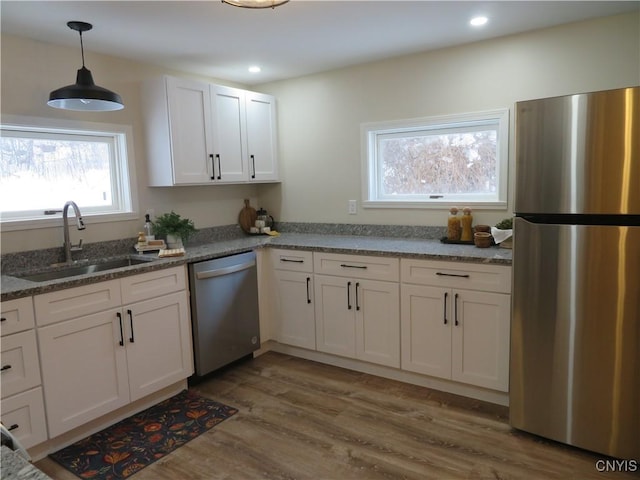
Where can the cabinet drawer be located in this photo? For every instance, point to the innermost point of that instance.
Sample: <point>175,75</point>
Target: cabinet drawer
<point>74,302</point>
<point>23,414</point>
<point>153,284</point>
<point>490,278</point>
<point>292,260</point>
<point>17,315</point>
<point>360,266</point>
<point>20,365</point>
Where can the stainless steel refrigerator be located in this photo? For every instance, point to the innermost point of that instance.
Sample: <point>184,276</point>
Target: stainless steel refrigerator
<point>575,341</point>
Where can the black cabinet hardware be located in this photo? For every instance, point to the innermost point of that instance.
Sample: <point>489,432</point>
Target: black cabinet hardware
<point>130,313</point>
<point>446,295</point>
<point>357,301</point>
<point>291,261</point>
<point>5,367</point>
<point>348,295</point>
<point>455,309</point>
<point>213,167</point>
<point>219,166</point>
<point>440,274</point>
<point>308,293</point>
<point>253,163</point>
<point>13,427</point>
<point>119,315</point>
<point>346,265</point>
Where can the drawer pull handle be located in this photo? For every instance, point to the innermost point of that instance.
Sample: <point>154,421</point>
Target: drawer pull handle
<point>119,315</point>
<point>291,261</point>
<point>308,293</point>
<point>3,319</point>
<point>460,275</point>
<point>13,427</point>
<point>345,265</point>
<point>5,367</point>
<point>130,313</point>
<point>446,295</point>
<point>348,295</point>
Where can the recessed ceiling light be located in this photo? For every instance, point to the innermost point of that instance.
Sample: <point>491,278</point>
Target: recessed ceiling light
<point>255,69</point>
<point>478,21</point>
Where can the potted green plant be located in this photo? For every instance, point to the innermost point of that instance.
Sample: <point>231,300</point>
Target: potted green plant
<point>174,228</point>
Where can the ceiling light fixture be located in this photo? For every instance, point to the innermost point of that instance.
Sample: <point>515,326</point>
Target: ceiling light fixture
<point>255,69</point>
<point>84,95</point>
<point>256,3</point>
<point>478,21</point>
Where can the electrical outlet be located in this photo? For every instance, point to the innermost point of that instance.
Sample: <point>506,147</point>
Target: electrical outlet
<point>353,207</point>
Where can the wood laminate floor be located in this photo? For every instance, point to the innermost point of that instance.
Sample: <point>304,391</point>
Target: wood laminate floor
<point>304,420</point>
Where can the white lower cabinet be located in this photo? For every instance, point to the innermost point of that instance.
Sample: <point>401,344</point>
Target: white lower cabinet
<point>97,362</point>
<point>357,317</point>
<point>22,405</point>
<point>296,316</point>
<point>456,333</point>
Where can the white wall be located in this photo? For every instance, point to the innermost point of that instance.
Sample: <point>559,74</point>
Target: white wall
<point>320,115</point>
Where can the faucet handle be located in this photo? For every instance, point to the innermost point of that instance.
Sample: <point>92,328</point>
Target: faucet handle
<point>78,247</point>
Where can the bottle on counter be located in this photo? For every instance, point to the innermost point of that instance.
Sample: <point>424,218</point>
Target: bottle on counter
<point>467,225</point>
<point>148,228</point>
<point>454,229</point>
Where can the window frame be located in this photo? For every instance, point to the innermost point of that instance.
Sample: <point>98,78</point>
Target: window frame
<point>124,168</point>
<point>371,167</point>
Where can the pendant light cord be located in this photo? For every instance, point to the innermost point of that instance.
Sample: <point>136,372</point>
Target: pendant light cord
<point>81,47</point>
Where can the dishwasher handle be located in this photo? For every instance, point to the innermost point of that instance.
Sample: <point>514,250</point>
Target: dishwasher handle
<point>219,272</point>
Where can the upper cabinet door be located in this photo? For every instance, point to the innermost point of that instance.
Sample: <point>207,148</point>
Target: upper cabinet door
<point>229,134</point>
<point>261,137</point>
<point>190,120</point>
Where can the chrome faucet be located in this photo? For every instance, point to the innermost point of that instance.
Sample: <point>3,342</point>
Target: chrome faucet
<point>68,246</point>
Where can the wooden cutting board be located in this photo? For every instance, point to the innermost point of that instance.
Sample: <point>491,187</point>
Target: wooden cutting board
<point>247,216</point>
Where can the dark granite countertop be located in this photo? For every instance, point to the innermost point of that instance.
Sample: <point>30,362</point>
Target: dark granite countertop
<point>13,287</point>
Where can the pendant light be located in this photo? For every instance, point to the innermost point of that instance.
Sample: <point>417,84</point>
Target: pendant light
<point>256,3</point>
<point>84,95</point>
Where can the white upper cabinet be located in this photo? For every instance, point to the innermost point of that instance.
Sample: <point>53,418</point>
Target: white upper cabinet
<point>203,134</point>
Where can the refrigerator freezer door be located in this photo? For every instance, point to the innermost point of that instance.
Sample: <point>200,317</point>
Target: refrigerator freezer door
<point>579,154</point>
<point>575,336</point>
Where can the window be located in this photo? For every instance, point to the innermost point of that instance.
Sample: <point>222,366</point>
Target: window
<point>42,167</point>
<point>437,161</point>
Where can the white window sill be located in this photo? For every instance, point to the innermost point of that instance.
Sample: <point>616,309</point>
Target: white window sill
<point>435,204</point>
<point>56,221</point>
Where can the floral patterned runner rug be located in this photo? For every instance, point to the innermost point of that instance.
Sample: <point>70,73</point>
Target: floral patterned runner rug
<point>130,445</point>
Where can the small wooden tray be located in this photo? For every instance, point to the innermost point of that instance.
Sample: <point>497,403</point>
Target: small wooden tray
<point>456,242</point>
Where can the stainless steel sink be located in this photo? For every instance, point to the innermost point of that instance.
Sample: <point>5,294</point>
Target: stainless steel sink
<point>83,269</point>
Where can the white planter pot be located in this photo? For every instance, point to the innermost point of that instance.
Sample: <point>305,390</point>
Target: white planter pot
<point>174,242</point>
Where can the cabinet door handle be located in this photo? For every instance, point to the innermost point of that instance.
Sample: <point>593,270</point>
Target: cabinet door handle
<point>348,295</point>
<point>291,261</point>
<point>346,265</point>
<point>446,295</point>
<point>357,301</point>
<point>119,315</point>
<point>308,293</point>
<point>219,167</point>
<point>213,167</point>
<point>3,319</point>
<point>253,163</point>
<point>13,427</point>
<point>460,275</point>
<point>5,367</point>
<point>455,310</point>
<point>130,313</point>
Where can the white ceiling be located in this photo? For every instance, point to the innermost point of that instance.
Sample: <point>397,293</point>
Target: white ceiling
<point>213,39</point>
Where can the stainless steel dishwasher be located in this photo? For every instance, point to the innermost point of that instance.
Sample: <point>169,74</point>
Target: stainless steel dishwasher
<point>224,310</point>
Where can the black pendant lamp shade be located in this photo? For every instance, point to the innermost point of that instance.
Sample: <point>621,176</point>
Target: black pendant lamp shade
<point>84,95</point>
